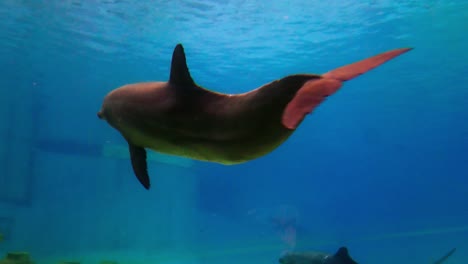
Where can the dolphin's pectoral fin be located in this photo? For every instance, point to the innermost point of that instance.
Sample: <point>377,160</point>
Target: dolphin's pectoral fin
<point>138,157</point>
<point>309,96</point>
<point>343,255</point>
<point>180,74</point>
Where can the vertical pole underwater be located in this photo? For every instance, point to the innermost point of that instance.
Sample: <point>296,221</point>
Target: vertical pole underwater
<point>16,148</point>
<point>5,213</point>
<point>4,125</point>
<point>17,131</point>
<point>22,133</point>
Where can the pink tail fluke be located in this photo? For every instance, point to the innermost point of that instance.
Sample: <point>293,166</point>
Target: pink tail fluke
<point>350,71</point>
<point>314,92</point>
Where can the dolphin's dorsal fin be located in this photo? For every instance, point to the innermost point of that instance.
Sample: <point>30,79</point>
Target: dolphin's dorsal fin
<point>343,255</point>
<point>180,74</point>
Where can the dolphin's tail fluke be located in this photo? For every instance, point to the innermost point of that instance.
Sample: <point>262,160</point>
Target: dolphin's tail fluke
<point>314,92</point>
<point>350,71</point>
<point>445,257</point>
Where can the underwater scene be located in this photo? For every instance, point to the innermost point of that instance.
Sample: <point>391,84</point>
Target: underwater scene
<point>236,131</point>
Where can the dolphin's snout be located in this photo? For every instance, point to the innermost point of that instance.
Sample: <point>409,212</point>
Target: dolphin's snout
<point>100,115</point>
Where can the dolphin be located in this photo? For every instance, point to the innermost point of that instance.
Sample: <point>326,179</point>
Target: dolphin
<point>314,257</point>
<point>181,118</point>
<point>340,257</point>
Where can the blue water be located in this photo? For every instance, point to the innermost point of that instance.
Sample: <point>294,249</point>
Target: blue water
<point>381,167</point>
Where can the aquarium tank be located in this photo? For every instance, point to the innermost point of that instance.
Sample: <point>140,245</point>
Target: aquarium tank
<point>236,131</point>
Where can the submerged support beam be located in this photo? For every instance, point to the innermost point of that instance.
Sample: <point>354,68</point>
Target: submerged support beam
<point>17,131</point>
<point>71,147</point>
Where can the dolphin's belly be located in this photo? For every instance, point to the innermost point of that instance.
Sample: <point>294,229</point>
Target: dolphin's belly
<point>202,152</point>
<point>228,151</point>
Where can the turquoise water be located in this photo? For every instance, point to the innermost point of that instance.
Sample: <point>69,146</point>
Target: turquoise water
<point>381,167</point>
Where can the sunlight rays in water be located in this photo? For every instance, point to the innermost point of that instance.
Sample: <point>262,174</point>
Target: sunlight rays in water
<point>251,29</point>
<point>241,36</point>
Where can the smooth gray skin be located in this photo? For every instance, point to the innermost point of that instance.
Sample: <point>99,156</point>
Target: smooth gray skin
<point>181,118</point>
<point>303,258</point>
<point>311,257</point>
